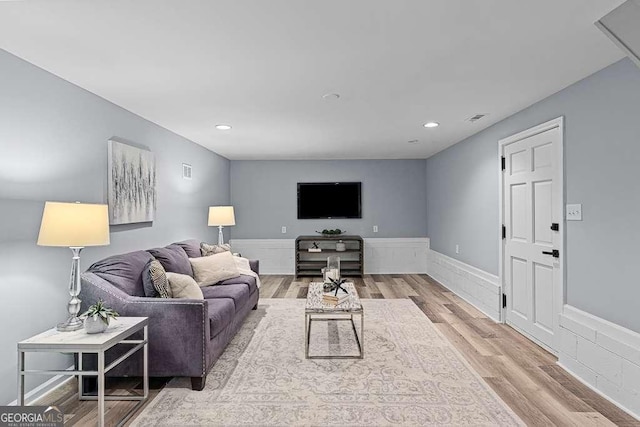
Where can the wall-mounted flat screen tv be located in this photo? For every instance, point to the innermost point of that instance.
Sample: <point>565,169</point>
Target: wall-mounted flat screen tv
<point>324,200</point>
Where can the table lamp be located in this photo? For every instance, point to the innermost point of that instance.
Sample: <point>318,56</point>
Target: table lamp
<point>221,216</point>
<point>74,225</point>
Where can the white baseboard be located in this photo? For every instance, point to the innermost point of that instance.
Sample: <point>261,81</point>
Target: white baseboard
<point>381,256</point>
<point>602,355</point>
<point>45,388</point>
<point>477,287</point>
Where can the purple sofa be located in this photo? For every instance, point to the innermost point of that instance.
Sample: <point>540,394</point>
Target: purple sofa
<point>186,336</point>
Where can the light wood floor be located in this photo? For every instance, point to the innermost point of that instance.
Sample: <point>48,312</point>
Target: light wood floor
<point>524,375</point>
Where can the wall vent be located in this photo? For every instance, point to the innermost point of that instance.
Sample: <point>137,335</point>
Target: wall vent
<point>186,171</point>
<point>477,117</point>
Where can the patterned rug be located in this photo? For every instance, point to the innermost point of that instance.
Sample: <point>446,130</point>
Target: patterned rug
<point>411,375</point>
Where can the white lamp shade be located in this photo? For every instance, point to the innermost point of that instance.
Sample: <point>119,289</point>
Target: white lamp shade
<point>74,225</point>
<point>221,215</point>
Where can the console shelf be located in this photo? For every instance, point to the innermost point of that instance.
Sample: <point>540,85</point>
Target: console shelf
<point>311,263</point>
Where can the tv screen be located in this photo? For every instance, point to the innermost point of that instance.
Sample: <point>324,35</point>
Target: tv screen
<point>321,200</point>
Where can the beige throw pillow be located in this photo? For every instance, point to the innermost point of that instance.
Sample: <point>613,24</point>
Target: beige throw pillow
<point>209,270</point>
<point>184,286</point>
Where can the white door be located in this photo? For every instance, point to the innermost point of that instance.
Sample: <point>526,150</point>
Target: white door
<point>533,213</point>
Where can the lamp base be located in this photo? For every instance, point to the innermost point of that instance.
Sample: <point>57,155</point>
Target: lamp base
<point>71,324</point>
<point>220,236</point>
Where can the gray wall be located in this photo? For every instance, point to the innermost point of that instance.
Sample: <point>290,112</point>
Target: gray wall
<point>264,194</point>
<point>602,151</point>
<point>53,146</point>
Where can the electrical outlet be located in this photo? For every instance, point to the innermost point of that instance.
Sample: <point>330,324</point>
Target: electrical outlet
<point>574,212</point>
<point>375,228</point>
<point>457,249</point>
<point>284,230</point>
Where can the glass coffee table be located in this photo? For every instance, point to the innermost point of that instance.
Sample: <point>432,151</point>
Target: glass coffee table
<point>317,310</point>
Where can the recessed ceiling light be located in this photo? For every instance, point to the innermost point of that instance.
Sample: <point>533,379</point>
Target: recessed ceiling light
<point>223,127</point>
<point>331,96</point>
<point>413,141</point>
<point>431,124</point>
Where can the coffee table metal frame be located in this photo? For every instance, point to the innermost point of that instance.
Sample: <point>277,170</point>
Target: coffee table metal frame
<point>317,311</point>
<point>80,342</point>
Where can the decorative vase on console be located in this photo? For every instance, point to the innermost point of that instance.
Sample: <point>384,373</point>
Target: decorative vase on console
<point>333,268</point>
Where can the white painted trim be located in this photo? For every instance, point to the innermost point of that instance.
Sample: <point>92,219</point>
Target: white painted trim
<point>395,255</point>
<point>551,124</point>
<point>381,255</point>
<point>477,287</point>
<point>45,388</point>
<point>264,243</point>
<point>276,256</point>
<point>602,355</point>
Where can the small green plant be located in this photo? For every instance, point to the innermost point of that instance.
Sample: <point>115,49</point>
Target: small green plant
<point>335,232</point>
<point>99,310</point>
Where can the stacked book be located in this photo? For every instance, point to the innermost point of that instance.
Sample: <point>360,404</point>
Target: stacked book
<point>333,299</point>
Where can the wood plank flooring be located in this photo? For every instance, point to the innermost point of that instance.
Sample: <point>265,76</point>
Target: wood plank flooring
<point>524,375</point>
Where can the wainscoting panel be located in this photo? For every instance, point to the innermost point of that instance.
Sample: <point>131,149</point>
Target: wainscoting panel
<point>381,256</point>
<point>276,255</point>
<point>603,355</point>
<point>476,286</point>
<point>396,256</point>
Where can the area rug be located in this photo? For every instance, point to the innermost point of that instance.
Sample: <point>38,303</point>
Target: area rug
<point>410,375</point>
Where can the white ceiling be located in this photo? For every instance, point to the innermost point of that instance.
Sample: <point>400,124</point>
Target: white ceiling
<point>263,66</point>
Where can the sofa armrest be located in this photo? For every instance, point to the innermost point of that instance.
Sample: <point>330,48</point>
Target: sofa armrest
<point>178,328</point>
<point>254,264</point>
<point>179,332</point>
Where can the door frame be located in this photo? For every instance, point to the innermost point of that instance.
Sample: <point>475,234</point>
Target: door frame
<point>561,291</point>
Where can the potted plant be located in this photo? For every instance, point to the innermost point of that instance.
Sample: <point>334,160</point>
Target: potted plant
<point>97,317</point>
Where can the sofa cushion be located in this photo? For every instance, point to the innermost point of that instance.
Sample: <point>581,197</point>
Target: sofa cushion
<point>191,247</point>
<point>209,270</point>
<point>148,284</point>
<point>158,277</point>
<point>238,293</point>
<point>209,249</point>
<point>221,312</point>
<point>248,281</point>
<point>173,258</point>
<point>184,286</point>
<point>123,271</point>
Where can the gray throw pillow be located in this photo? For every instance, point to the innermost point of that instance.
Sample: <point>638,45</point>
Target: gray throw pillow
<point>208,249</point>
<point>173,258</point>
<point>155,281</point>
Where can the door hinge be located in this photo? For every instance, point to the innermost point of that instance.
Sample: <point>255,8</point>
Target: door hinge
<point>504,300</point>
<point>504,163</point>
<point>504,232</point>
<point>555,226</point>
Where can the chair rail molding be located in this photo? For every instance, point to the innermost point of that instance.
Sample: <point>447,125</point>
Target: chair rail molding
<point>381,255</point>
<point>476,286</point>
<point>602,355</point>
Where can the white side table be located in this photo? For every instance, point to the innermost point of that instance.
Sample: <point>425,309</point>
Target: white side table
<point>80,342</point>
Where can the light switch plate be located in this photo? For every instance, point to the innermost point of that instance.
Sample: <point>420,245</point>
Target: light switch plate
<point>375,228</point>
<point>574,212</point>
<point>284,230</point>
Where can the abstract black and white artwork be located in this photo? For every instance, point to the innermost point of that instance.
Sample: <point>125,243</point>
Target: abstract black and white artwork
<point>132,184</point>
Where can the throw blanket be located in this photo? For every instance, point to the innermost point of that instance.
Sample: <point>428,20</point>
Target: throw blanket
<point>245,269</point>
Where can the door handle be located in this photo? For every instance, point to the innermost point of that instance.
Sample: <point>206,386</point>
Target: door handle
<point>555,253</point>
